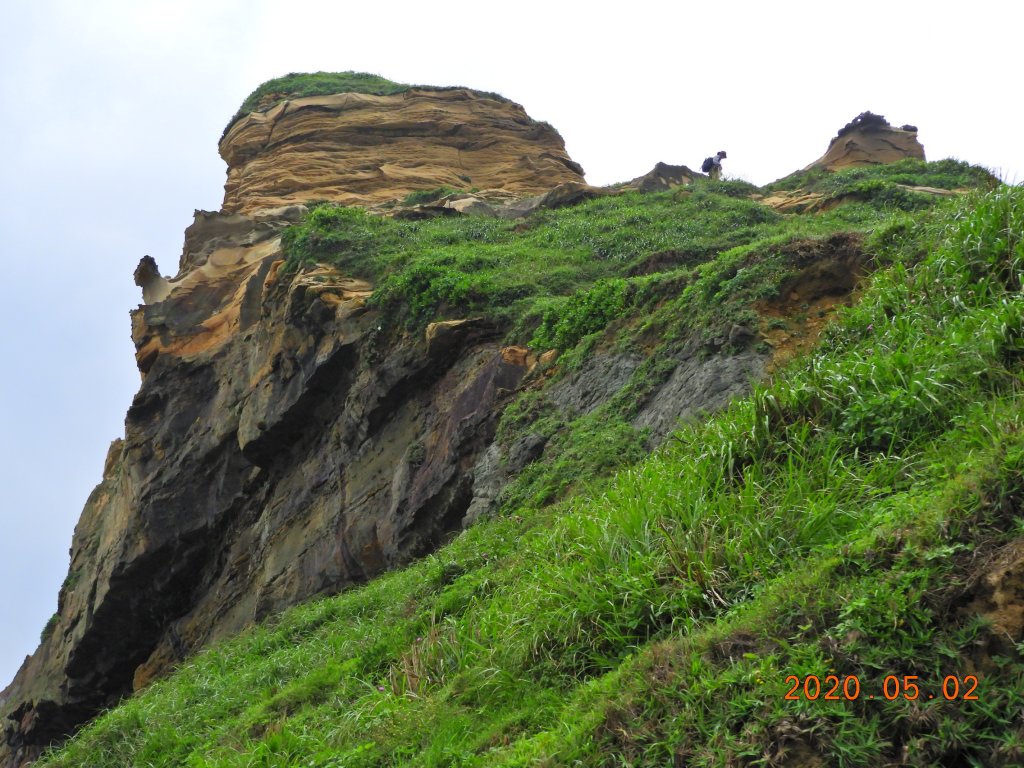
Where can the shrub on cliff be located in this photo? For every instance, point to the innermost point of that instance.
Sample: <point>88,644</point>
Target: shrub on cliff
<point>333,233</point>
<point>583,313</point>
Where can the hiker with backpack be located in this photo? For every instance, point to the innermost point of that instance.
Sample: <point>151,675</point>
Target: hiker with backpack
<point>712,166</point>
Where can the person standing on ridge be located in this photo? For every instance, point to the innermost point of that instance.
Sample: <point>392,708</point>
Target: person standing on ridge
<point>713,166</point>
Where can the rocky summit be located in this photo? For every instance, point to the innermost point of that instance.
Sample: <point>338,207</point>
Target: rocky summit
<point>868,139</point>
<point>363,149</point>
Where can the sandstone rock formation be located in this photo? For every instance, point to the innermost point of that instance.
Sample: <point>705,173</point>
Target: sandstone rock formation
<point>869,140</point>
<point>661,177</point>
<point>362,149</point>
<point>802,201</point>
<point>278,448</point>
<point>155,287</point>
<point>502,205</point>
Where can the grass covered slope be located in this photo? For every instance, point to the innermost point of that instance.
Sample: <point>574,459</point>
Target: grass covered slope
<point>896,184</point>
<point>840,521</point>
<point>658,273</point>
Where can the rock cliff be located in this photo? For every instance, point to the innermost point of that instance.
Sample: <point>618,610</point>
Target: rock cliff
<point>283,443</point>
<point>277,449</point>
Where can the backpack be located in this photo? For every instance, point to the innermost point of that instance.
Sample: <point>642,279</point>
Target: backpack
<point>706,165</point>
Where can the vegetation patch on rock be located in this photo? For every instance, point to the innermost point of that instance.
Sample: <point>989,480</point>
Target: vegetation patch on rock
<point>538,273</point>
<point>298,84</point>
<point>942,174</point>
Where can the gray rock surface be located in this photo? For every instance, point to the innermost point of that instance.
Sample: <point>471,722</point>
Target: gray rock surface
<point>661,177</point>
<point>697,387</point>
<point>600,377</point>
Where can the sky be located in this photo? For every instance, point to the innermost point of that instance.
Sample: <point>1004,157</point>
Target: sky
<point>111,112</point>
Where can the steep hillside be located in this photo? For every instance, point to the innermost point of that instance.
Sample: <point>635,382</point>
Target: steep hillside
<point>858,520</point>
<point>330,394</point>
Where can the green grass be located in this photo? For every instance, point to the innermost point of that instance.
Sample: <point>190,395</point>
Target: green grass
<point>867,181</point>
<point>538,274</point>
<point>49,627</point>
<point>834,522</point>
<point>298,84</point>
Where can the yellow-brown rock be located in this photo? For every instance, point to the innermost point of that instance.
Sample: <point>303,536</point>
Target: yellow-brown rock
<point>869,140</point>
<point>361,149</point>
<point>797,201</point>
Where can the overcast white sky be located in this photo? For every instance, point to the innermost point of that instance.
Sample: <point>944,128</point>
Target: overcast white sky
<point>112,110</point>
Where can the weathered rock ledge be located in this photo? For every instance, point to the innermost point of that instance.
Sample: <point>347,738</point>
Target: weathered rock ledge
<point>360,149</point>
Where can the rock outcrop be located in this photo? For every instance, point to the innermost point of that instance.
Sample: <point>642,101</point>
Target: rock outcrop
<point>283,444</point>
<point>362,149</point>
<point>279,447</point>
<point>661,177</point>
<point>869,140</point>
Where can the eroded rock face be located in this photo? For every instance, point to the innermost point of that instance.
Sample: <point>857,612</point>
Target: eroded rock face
<point>279,447</point>
<point>282,445</point>
<point>359,149</point>
<point>997,594</point>
<point>869,140</point>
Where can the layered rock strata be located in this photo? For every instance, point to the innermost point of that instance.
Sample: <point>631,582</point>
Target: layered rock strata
<point>360,149</point>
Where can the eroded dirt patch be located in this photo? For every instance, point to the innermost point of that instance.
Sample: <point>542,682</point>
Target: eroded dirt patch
<point>830,271</point>
<point>997,594</point>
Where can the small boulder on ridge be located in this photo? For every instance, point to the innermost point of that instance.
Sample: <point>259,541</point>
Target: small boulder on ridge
<point>868,139</point>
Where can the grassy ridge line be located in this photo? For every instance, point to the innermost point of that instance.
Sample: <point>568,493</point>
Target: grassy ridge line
<point>522,274</point>
<point>870,180</point>
<point>426,270</point>
<point>829,521</point>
